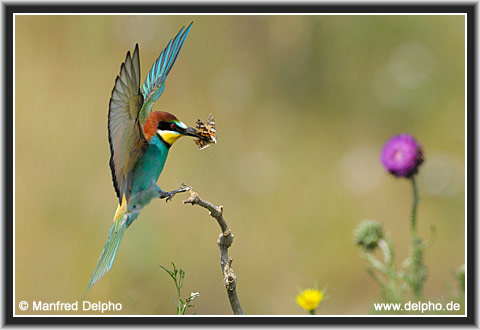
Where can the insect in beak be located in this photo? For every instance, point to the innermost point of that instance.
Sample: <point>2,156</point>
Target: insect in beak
<point>190,131</point>
<point>207,131</point>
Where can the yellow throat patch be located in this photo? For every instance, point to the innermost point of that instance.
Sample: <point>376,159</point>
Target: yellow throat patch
<point>169,136</point>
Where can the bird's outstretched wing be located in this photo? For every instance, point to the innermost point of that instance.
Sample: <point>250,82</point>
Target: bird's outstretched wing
<point>125,134</point>
<point>155,81</point>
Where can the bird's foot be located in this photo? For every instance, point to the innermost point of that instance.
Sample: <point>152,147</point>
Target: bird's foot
<point>169,194</point>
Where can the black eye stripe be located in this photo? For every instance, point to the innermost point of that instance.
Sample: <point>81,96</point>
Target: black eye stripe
<point>164,126</point>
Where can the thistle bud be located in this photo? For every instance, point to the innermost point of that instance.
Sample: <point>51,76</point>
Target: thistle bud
<point>368,234</point>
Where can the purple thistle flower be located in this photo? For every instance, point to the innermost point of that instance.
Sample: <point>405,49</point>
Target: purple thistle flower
<point>402,155</point>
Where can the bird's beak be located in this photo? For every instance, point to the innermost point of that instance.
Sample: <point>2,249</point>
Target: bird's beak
<point>190,131</point>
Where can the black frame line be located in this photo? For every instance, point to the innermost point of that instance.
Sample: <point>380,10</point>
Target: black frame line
<point>469,9</point>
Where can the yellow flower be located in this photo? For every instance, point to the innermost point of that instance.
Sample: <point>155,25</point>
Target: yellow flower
<point>309,299</point>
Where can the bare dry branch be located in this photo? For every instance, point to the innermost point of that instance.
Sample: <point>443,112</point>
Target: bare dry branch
<point>224,241</point>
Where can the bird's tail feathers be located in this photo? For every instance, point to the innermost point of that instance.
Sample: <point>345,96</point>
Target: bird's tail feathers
<point>114,238</point>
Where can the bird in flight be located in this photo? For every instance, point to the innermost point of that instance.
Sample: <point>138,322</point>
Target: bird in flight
<point>139,142</point>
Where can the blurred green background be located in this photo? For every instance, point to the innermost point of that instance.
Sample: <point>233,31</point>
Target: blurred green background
<point>303,106</point>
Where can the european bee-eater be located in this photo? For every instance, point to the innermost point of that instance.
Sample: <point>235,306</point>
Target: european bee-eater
<point>139,142</point>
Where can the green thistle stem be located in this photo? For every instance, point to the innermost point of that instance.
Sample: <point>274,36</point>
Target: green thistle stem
<point>414,208</point>
<point>419,273</point>
<point>312,312</point>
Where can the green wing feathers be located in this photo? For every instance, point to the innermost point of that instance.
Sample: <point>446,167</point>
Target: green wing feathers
<point>155,81</point>
<point>125,135</point>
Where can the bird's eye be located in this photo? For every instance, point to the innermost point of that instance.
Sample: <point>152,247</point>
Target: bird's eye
<point>172,125</point>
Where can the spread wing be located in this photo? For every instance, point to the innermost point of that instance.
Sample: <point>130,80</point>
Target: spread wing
<point>127,142</point>
<point>155,81</point>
